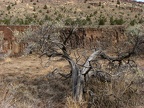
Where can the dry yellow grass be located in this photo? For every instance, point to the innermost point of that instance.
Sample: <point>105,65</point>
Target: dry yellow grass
<point>26,82</point>
<point>70,103</point>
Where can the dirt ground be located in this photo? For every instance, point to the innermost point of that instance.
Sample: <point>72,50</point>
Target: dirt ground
<point>25,74</point>
<point>33,65</point>
<point>30,65</point>
<point>24,82</point>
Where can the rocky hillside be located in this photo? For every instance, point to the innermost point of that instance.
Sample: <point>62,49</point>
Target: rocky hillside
<point>81,12</point>
<point>75,1</point>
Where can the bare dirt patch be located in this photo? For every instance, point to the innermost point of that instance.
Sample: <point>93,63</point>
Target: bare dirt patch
<point>30,65</point>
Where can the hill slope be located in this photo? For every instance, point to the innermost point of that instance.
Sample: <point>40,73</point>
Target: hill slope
<point>91,13</point>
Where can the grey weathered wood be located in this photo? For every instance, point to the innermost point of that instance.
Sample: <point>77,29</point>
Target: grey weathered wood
<point>77,80</point>
<point>87,66</point>
<point>78,75</point>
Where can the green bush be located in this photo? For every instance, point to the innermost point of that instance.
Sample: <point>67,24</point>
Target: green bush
<point>89,7</point>
<point>45,7</point>
<point>47,17</point>
<point>141,21</point>
<point>132,22</point>
<point>69,22</point>
<point>28,20</point>
<point>41,22</point>
<point>102,6</point>
<point>119,21</point>
<point>40,11</point>
<point>34,3</point>
<point>80,22</point>
<point>35,16</point>
<point>99,3</point>
<point>19,21</point>
<point>8,7</point>
<point>59,17</point>
<point>47,11</point>
<point>112,22</point>
<point>95,12</point>
<point>102,20</point>
<point>6,21</point>
<point>118,2</point>
<point>116,21</point>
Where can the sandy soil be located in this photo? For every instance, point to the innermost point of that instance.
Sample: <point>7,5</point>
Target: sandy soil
<point>31,65</point>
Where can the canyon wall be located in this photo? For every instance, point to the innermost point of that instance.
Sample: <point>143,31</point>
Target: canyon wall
<point>83,37</point>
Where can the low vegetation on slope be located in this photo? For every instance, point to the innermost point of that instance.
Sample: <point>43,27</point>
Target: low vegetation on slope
<point>84,14</point>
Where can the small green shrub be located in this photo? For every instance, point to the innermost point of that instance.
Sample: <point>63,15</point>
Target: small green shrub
<point>34,3</point>
<point>89,7</point>
<point>102,20</point>
<point>141,21</point>
<point>40,11</point>
<point>68,22</point>
<point>119,21</point>
<point>112,22</point>
<point>47,17</point>
<point>6,21</point>
<point>95,12</point>
<point>45,7</point>
<point>118,2</point>
<point>132,22</point>
<point>99,4</point>
<point>19,21</point>
<point>8,7</point>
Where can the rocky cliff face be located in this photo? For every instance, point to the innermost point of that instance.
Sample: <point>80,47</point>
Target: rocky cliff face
<point>84,37</point>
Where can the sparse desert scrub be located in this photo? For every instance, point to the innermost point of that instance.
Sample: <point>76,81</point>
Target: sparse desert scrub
<point>123,92</point>
<point>102,80</point>
<point>72,10</point>
<point>70,103</point>
<point>52,91</point>
<point>109,81</point>
<point>21,91</point>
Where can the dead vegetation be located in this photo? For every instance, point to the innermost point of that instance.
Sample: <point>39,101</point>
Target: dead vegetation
<point>86,78</point>
<point>54,91</point>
